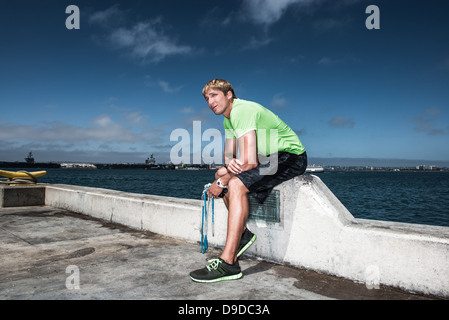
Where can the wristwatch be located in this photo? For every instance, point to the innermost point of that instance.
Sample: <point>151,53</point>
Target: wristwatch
<point>220,184</point>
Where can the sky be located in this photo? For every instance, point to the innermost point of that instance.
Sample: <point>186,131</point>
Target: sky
<point>115,88</point>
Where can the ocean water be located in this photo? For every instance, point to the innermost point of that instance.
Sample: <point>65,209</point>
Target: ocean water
<point>411,197</point>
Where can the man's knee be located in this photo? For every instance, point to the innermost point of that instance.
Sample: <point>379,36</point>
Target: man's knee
<point>220,172</point>
<point>236,185</point>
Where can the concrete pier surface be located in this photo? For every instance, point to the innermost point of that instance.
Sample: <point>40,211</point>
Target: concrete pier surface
<point>44,249</point>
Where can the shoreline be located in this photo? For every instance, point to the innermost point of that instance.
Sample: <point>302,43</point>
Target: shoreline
<point>142,166</point>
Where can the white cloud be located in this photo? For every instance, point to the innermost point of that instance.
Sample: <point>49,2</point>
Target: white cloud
<point>427,122</point>
<point>186,110</point>
<point>108,17</point>
<point>103,121</point>
<point>278,101</point>
<point>136,118</point>
<point>267,12</point>
<point>145,41</point>
<point>341,122</point>
<point>164,85</point>
<point>258,43</point>
<point>326,61</point>
<point>216,17</point>
<point>167,88</point>
<point>102,129</point>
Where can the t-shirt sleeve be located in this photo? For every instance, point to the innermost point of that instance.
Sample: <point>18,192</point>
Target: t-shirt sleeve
<point>243,121</point>
<point>229,131</point>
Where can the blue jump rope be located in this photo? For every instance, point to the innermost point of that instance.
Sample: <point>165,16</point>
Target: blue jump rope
<point>207,203</point>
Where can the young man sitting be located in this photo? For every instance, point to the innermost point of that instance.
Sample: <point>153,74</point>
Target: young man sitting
<point>259,133</point>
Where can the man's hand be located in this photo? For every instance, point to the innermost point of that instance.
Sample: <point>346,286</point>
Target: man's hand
<point>214,191</point>
<point>235,166</point>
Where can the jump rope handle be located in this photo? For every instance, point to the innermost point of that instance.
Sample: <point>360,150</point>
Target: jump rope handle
<point>222,194</point>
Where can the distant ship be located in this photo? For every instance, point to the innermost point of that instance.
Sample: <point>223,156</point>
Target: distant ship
<point>30,158</point>
<point>314,169</point>
<point>151,160</point>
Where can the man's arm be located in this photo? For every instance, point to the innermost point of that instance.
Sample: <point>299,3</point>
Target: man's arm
<point>248,154</point>
<point>247,159</point>
<point>230,151</point>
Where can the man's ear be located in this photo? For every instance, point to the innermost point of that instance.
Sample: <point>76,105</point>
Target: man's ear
<point>229,95</point>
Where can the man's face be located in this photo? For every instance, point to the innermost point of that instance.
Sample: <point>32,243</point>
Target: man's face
<point>218,102</point>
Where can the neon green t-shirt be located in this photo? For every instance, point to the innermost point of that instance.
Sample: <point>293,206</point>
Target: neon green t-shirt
<point>273,135</point>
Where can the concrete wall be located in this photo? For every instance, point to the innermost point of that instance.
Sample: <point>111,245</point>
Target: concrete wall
<point>316,232</point>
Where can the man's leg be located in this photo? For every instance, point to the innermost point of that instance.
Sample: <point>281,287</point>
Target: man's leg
<point>227,267</point>
<point>238,210</point>
<point>220,173</point>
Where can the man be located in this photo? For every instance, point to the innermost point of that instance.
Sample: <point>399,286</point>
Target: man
<point>258,133</point>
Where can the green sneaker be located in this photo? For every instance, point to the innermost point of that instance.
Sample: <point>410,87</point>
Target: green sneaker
<point>217,270</point>
<point>246,241</point>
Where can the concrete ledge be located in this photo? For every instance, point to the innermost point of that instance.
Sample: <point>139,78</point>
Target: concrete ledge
<point>21,196</point>
<point>173,217</point>
<point>320,234</point>
<point>315,232</point>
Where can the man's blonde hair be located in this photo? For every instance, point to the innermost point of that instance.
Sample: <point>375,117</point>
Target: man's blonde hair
<point>219,84</point>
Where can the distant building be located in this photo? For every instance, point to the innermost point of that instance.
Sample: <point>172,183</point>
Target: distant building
<point>314,169</point>
<point>78,166</point>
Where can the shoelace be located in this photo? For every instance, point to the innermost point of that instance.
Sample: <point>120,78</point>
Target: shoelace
<point>213,264</point>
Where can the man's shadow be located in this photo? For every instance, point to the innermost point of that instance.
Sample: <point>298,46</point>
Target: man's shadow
<point>261,266</point>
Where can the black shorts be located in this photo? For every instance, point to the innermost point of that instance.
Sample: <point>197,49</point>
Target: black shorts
<point>261,180</point>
